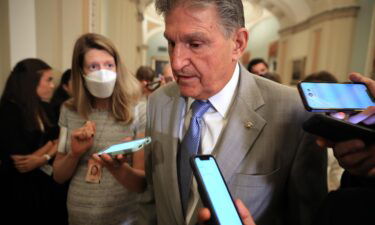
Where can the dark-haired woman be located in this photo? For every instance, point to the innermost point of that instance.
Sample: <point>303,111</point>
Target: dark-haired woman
<point>62,93</point>
<point>27,143</point>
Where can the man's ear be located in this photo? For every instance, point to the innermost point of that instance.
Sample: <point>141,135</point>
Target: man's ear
<point>240,38</point>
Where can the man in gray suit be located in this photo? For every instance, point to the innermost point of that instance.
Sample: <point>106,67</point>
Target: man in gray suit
<point>252,125</point>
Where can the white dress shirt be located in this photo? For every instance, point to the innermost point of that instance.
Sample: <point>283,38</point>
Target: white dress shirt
<point>213,122</point>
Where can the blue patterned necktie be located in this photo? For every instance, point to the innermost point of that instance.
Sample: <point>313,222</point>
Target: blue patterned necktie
<point>189,147</point>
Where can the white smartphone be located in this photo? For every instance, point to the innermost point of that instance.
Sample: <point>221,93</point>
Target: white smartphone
<point>126,147</point>
<point>214,191</point>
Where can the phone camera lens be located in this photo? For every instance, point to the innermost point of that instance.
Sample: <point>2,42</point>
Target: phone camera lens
<point>311,94</point>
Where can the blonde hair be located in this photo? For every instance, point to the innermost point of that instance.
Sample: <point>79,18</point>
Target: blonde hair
<point>126,91</point>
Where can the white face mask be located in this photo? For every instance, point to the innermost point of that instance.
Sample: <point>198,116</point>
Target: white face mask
<point>100,83</point>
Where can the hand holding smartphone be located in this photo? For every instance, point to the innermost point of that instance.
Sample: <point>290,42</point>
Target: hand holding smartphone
<point>335,97</point>
<point>214,191</point>
<point>337,130</point>
<point>126,147</point>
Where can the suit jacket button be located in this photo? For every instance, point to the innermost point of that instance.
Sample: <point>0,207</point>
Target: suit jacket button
<point>249,124</point>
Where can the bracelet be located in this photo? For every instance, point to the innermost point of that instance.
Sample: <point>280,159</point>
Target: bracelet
<point>48,157</point>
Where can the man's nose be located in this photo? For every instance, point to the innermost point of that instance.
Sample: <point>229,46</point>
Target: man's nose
<point>179,57</point>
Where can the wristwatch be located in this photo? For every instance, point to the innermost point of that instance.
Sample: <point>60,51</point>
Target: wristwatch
<point>48,157</point>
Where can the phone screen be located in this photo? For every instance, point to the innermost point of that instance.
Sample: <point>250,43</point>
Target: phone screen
<point>336,95</point>
<point>218,194</point>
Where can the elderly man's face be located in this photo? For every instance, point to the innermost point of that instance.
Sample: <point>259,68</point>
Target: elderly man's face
<point>202,58</point>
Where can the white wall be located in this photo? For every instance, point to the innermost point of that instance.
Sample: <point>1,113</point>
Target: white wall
<point>48,32</point>
<point>326,42</point>
<point>71,29</point>
<point>121,25</point>
<point>297,47</point>
<point>48,29</point>
<point>261,35</point>
<point>362,41</point>
<point>4,43</point>
<point>337,51</point>
<point>22,30</point>
<point>157,40</point>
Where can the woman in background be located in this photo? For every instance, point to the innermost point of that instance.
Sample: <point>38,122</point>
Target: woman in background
<point>102,112</point>
<point>27,143</point>
<point>62,93</point>
<point>148,79</point>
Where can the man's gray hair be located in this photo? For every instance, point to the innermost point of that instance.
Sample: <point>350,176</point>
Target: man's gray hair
<point>230,11</point>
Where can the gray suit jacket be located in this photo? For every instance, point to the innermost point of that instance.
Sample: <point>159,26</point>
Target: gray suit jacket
<point>273,167</point>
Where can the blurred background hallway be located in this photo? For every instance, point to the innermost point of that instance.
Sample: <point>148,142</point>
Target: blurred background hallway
<point>295,37</point>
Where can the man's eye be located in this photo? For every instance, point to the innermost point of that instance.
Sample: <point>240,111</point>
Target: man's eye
<point>171,44</point>
<point>110,65</point>
<point>195,45</point>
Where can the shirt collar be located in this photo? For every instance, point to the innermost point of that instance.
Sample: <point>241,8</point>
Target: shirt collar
<point>223,99</point>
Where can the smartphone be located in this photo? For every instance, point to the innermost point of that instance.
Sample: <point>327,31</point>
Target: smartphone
<point>333,97</point>
<point>126,147</point>
<point>214,191</point>
<point>337,130</point>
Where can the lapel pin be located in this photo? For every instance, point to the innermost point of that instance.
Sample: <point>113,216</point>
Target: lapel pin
<point>249,124</point>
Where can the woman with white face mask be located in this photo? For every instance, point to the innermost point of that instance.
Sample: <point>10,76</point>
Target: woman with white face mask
<point>102,112</point>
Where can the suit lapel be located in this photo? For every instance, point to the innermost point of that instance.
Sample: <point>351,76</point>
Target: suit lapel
<point>172,113</point>
<point>243,127</point>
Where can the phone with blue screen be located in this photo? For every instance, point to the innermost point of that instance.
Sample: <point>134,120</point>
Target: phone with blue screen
<point>126,147</point>
<point>335,97</point>
<point>214,191</point>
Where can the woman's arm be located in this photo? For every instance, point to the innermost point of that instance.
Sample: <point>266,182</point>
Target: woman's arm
<point>27,163</point>
<point>45,149</point>
<point>65,164</point>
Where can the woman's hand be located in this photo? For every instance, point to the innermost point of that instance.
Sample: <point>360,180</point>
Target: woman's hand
<point>27,163</point>
<point>131,177</point>
<point>82,139</point>
<point>113,164</point>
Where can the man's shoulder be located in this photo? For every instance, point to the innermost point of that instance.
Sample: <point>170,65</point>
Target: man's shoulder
<point>254,85</point>
<point>165,93</point>
<point>276,96</point>
<point>276,90</point>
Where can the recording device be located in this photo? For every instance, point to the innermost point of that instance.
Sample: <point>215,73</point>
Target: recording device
<point>126,147</point>
<point>214,191</point>
<point>335,97</point>
<point>152,86</point>
<point>337,130</point>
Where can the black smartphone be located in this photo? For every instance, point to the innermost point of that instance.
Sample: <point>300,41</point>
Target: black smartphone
<point>214,191</point>
<point>337,130</point>
<point>335,97</point>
